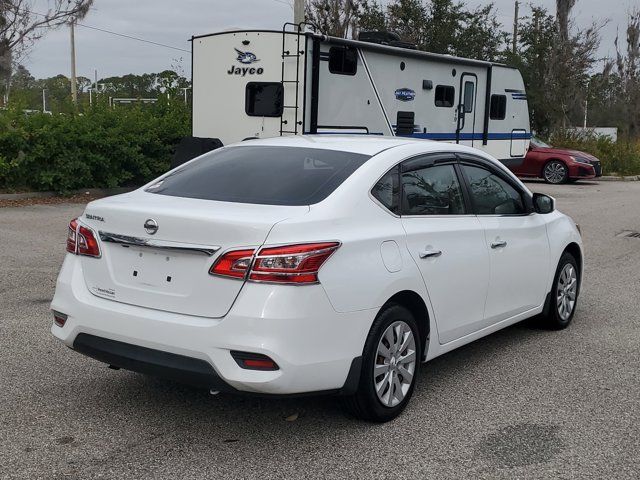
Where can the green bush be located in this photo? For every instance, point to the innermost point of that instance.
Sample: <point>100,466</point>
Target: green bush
<point>103,148</point>
<point>618,158</point>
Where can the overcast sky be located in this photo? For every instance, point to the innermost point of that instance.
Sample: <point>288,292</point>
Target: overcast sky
<point>173,22</point>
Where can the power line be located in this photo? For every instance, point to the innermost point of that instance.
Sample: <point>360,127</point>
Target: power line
<point>130,37</point>
<point>133,38</point>
<point>284,2</point>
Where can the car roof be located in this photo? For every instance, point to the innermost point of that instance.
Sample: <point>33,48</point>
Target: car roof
<point>365,144</point>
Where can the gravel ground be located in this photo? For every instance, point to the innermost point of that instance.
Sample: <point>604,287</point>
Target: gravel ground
<point>521,403</point>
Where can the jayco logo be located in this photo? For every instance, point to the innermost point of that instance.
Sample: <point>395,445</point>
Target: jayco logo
<point>245,58</point>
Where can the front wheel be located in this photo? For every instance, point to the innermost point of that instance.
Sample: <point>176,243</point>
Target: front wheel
<point>391,359</point>
<point>555,172</point>
<point>564,293</point>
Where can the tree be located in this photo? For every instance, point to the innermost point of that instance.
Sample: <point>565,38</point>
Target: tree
<point>628,67</point>
<point>371,17</point>
<point>444,26</point>
<point>21,25</point>
<point>556,62</point>
<point>569,65</point>
<point>482,36</point>
<point>535,46</point>
<point>333,17</point>
<point>408,18</point>
<point>439,26</point>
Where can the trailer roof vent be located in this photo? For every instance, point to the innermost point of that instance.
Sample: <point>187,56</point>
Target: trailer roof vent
<point>385,38</point>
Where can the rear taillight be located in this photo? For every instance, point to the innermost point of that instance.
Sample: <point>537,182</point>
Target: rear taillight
<point>298,264</point>
<point>72,236</point>
<point>291,263</point>
<point>233,264</point>
<point>82,240</point>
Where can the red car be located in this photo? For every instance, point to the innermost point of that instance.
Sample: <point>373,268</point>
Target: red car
<point>557,165</point>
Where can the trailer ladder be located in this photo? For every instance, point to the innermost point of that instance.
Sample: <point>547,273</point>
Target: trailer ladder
<point>286,54</point>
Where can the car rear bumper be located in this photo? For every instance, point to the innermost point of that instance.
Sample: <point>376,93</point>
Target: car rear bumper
<point>313,345</point>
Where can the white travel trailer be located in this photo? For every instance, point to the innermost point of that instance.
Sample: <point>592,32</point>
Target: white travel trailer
<point>258,83</point>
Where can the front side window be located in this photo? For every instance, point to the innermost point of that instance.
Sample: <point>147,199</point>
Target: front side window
<point>265,175</point>
<point>490,194</point>
<point>387,190</point>
<point>445,96</point>
<point>343,60</point>
<point>433,190</point>
<point>264,99</point>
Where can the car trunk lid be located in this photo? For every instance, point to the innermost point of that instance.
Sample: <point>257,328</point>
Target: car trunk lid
<point>169,269</point>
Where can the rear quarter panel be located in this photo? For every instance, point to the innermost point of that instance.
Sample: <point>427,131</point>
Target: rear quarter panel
<point>355,277</point>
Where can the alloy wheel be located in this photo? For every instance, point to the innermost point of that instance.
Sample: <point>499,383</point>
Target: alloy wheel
<point>566,291</point>
<point>395,364</point>
<point>555,172</point>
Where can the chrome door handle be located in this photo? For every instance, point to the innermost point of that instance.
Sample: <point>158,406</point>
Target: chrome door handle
<point>499,244</point>
<point>430,253</point>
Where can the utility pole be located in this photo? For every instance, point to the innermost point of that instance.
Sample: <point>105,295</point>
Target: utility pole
<point>44,100</point>
<point>185,89</point>
<point>74,82</point>
<point>515,29</point>
<point>298,11</point>
<point>586,105</point>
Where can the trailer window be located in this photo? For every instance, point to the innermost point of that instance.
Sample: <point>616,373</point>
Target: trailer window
<point>445,95</point>
<point>343,60</point>
<point>264,99</point>
<point>266,175</point>
<point>469,93</point>
<point>498,110</point>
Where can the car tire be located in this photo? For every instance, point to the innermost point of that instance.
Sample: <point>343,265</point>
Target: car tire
<point>384,388</point>
<point>564,294</point>
<point>555,172</point>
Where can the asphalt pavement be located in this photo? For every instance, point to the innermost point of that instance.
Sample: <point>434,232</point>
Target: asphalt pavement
<point>521,403</point>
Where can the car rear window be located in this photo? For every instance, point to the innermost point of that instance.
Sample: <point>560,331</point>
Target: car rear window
<point>262,174</point>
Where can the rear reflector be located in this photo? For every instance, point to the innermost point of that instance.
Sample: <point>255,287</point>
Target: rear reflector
<point>59,318</point>
<point>296,264</point>
<point>254,361</point>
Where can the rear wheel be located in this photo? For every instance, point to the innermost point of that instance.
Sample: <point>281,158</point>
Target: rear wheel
<point>391,360</point>
<point>564,293</point>
<point>555,172</point>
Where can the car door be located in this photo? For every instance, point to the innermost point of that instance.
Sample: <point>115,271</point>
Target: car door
<point>447,243</point>
<point>516,241</point>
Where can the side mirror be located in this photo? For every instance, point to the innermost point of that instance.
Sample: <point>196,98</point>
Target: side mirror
<point>543,203</point>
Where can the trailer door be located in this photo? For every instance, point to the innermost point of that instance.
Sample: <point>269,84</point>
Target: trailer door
<point>466,114</point>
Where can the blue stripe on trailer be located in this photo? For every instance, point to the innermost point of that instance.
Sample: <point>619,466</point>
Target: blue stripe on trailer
<point>444,136</point>
<point>471,136</point>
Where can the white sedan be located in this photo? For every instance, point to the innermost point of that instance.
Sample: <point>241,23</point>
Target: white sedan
<point>314,264</point>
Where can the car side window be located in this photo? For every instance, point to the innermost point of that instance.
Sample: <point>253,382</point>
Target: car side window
<point>387,190</point>
<point>490,194</point>
<point>432,190</point>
